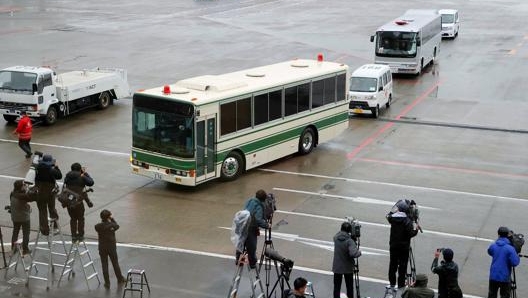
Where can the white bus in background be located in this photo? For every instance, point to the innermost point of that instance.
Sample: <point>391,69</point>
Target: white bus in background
<point>218,126</point>
<point>410,42</point>
<point>450,23</point>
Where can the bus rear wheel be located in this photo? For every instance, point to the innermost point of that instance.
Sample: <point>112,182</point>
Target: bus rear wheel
<point>232,166</point>
<point>307,141</point>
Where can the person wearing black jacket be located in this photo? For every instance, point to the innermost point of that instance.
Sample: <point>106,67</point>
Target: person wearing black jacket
<point>107,246</point>
<point>76,180</point>
<point>401,232</point>
<point>45,179</point>
<point>20,214</point>
<point>447,274</point>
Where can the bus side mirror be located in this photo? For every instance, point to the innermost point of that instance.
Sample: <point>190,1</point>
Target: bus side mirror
<point>34,87</point>
<point>372,38</point>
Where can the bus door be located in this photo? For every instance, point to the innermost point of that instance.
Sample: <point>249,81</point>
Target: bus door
<point>205,147</point>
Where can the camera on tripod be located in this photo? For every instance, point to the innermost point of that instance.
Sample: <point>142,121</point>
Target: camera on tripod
<point>355,231</point>
<point>270,205</point>
<point>517,241</point>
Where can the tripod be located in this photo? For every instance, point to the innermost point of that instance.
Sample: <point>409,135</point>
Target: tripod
<point>268,243</point>
<point>411,276</point>
<point>356,273</point>
<point>3,249</point>
<point>282,280</point>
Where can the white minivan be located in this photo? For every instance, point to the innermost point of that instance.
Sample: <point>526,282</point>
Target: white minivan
<point>370,89</point>
<point>450,23</point>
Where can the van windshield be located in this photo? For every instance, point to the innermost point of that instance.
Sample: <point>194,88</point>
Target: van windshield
<point>359,84</point>
<point>448,18</point>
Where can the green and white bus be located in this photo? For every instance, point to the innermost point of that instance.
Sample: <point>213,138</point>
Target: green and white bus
<point>218,126</point>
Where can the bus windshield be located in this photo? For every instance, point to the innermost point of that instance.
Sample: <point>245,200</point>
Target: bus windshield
<point>359,84</point>
<point>396,44</point>
<point>163,126</point>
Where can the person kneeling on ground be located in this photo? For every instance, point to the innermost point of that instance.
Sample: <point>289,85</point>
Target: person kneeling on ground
<point>419,289</point>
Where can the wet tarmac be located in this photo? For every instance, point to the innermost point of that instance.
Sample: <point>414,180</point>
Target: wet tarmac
<point>454,139</point>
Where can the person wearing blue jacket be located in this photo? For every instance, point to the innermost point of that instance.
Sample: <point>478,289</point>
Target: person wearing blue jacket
<point>504,258</point>
<point>255,207</point>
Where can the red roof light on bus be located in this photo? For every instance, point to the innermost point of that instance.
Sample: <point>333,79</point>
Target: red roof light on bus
<point>166,89</point>
<point>401,22</point>
<point>320,57</point>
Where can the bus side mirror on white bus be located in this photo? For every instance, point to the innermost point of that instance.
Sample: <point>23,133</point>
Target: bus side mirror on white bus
<point>372,38</point>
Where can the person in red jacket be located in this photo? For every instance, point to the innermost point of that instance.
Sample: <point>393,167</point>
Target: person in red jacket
<point>24,130</point>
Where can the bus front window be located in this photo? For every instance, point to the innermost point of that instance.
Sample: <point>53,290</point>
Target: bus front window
<point>396,44</point>
<point>163,130</point>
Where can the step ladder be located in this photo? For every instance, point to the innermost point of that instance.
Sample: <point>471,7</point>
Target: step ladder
<point>390,292</point>
<point>44,253</point>
<point>309,290</point>
<point>79,251</point>
<point>256,283</point>
<point>17,257</point>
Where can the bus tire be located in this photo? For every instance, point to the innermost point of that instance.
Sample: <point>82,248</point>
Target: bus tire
<point>104,100</point>
<point>51,116</point>
<point>10,118</point>
<point>306,141</point>
<point>375,112</point>
<point>232,166</point>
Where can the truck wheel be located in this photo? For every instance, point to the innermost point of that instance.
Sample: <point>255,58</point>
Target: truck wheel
<point>232,166</point>
<point>51,116</point>
<point>10,118</point>
<point>375,112</point>
<point>306,141</point>
<point>104,100</point>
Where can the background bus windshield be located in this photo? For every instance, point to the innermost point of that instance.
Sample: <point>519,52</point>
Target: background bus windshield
<point>396,44</point>
<point>163,126</point>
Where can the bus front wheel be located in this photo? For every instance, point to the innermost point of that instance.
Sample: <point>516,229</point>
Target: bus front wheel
<point>307,141</point>
<point>232,166</point>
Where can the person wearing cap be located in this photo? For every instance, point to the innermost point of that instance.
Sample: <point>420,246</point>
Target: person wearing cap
<point>255,206</point>
<point>447,274</point>
<point>107,246</point>
<point>343,264</point>
<point>75,180</point>
<point>504,258</point>
<point>20,214</point>
<point>419,289</point>
<point>24,130</point>
<point>401,232</point>
<point>45,180</point>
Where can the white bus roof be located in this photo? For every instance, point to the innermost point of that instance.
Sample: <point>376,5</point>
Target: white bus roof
<point>370,70</point>
<point>208,88</point>
<point>412,21</point>
<point>447,11</point>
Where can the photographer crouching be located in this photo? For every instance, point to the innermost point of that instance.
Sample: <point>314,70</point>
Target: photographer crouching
<point>76,180</point>
<point>345,252</point>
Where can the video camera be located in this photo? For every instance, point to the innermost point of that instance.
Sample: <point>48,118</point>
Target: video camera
<point>355,231</point>
<point>517,241</point>
<point>270,205</point>
<point>410,208</point>
<point>32,172</point>
<point>70,199</point>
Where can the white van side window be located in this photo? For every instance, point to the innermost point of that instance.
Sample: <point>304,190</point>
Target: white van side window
<point>383,81</point>
<point>389,76</point>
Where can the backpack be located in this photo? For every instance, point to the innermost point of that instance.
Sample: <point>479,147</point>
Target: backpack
<point>239,229</point>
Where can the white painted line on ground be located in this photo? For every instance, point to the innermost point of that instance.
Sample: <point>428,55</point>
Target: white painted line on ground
<point>387,226</point>
<point>396,185</point>
<point>72,148</point>
<point>354,199</point>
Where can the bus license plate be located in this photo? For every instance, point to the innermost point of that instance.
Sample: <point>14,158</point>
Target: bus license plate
<point>358,111</point>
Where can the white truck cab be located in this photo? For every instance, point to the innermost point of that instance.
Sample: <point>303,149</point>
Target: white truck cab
<point>450,23</point>
<point>370,89</point>
<point>43,94</point>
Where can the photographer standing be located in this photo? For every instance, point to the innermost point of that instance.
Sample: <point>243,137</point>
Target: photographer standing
<point>447,274</point>
<point>76,180</point>
<point>401,232</point>
<point>45,179</point>
<point>107,246</point>
<point>345,252</point>
<point>20,214</point>
<point>255,206</point>
<point>504,257</point>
